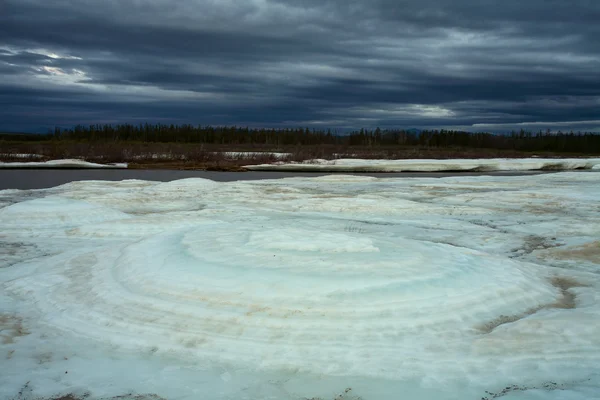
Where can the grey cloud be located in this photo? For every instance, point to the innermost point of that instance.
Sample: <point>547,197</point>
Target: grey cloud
<point>282,62</point>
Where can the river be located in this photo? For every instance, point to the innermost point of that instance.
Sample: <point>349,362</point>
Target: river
<point>46,178</point>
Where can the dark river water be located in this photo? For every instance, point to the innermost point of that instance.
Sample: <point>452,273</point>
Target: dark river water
<point>46,178</point>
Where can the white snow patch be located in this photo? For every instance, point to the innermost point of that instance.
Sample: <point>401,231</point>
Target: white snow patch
<point>228,154</point>
<point>250,154</point>
<point>496,164</point>
<point>302,288</point>
<point>67,163</point>
<point>21,155</point>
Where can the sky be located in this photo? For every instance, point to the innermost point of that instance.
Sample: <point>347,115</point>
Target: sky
<point>477,65</point>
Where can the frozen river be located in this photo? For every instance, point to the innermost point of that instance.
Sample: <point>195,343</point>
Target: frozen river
<point>330,287</point>
<point>47,178</point>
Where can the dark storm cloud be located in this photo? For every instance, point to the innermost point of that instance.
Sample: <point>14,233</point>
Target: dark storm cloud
<point>473,64</point>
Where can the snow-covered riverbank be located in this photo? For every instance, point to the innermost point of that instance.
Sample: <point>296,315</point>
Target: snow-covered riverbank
<point>67,163</point>
<point>494,164</point>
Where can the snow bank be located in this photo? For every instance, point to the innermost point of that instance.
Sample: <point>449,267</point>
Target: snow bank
<point>67,163</point>
<point>496,164</point>
<point>337,287</point>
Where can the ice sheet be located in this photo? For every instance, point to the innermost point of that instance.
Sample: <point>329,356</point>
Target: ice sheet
<point>338,287</point>
<point>67,163</point>
<point>496,164</point>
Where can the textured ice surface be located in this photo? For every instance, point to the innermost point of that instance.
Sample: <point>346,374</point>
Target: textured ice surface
<point>494,164</point>
<point>67,163</point>
<point>337,287</point>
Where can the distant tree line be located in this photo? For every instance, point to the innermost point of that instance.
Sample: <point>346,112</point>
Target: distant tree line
<point>233,135</point>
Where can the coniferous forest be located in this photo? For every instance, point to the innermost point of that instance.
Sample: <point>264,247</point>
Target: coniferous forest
<point>570,142</point>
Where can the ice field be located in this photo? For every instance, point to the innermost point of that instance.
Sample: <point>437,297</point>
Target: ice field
<point>329,288</point>
<point>484,164</point>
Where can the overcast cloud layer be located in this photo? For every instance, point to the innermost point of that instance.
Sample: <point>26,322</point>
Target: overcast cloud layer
<point>470,64</point>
